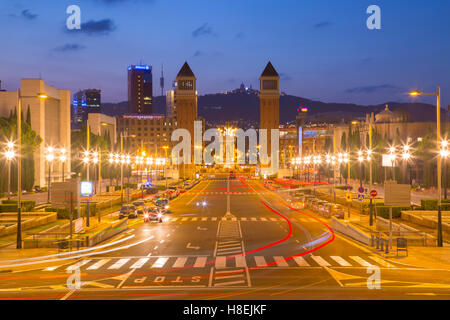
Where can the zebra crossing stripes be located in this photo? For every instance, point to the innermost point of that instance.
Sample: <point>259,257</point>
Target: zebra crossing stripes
<point>119,264</point>
<point>77,265</point>
<point>138,264</point>
<point>98,264</point>
<point>361,261</point>
<point>160,262</point>
<point>280,261</point>
<point>341,261</point>
<point>235,219</point>
<point>200,262</point>
<point>230,261</point>
<point>320,261</point>
<point>301,262</point>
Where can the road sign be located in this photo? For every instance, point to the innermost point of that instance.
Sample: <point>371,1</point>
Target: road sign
<point>373,193</point>
<point>86,189</point>
<point>348,187</point>
<point>361,190</point>
<point>348,197</point>
<point>360,197</point>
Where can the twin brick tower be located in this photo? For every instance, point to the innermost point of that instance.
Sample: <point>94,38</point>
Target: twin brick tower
<point>186,104</point>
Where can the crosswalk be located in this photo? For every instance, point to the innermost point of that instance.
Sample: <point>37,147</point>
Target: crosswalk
<point>242,219</point>
<point>221,262</point>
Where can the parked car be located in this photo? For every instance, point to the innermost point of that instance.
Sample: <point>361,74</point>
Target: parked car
<point>309,201</point>
<point>128,211</point>
<point>321,207</point>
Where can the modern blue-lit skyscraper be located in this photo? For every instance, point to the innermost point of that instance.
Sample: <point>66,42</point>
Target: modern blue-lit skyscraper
<point>140,89</point>
<point>85,102</point>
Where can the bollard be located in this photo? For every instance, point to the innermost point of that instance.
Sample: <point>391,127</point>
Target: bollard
<point>372,241</point>
<point>381,244</point>
<point>378,242</point>
<point>387,247</point>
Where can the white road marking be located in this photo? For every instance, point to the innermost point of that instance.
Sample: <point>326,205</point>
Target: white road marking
<point>361,261</point>
<point>77,265</point>
<point>98,264</point>
<point>200,262</point>
<point>243,219</point>
<point>382,262</point>
<point>253,219</point>
<point>221,262</point>
<point>214,218</point>
<point>230,276</point>
<point>301,262</point>
<point>160,262</point>
<point>51,268</point>
<point>204,219</point>
<point>280,261</point>
<point>241,262</point>
<point>138,264</point>
<point>174,219</point>
<point>233,219</point>
<point>228,283</point>
<point>320,261</point>
<point>119,263</point>
<point>180,262</point>
<point>260,261</point>
<point>184,219</point>
<point>263,219</point>
<point>194,219</point>
<point>341,261</point>
<point>273,219</point>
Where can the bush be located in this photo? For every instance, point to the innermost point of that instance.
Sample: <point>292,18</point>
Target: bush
<point>27,205</point>
<point>383,211</point>
<point>62,213</point>
<point>431,204</point>
<point>131,185</point>
<point>8,207</point>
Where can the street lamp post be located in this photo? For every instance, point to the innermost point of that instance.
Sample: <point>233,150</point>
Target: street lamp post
<point>9,154</point>
<point>439,163</point>
<point>50,157</point>
<point>63,159</point>
<point>165,151</point>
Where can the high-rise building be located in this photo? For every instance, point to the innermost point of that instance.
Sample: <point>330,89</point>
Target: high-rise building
<point>171,107</point>
<point>140,89</point>
<point>84,102</point>
<point>269,96</point>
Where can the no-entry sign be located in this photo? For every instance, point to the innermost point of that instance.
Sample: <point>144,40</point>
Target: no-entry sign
<point>373,193</point>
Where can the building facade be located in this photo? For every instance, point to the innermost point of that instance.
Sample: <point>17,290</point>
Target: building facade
<point>84,102</point>
<point>140,89</point>
<point>50,119</point>
<point>102,125</point>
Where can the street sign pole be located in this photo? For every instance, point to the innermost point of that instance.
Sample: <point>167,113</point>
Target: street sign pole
<point>390,227</point>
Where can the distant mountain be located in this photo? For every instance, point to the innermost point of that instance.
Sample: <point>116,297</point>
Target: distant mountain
<point>234,106</point>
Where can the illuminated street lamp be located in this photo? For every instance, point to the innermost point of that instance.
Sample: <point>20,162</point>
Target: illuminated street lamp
<point>63,159</point>
<point>49,157</point>
<point>416,93</point>
<point>9,154</point>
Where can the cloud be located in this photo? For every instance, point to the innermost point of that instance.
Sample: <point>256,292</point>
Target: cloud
<point>323,24</point>
<point>373,89</point>
<point>28,15</point>
<point>69,47</point>
<point>203,30</point>
<point>198,53</point>
<point>92,27</point>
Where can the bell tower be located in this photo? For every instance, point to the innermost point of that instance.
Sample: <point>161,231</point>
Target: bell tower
<point>186,101</point>
<point>269,102</point>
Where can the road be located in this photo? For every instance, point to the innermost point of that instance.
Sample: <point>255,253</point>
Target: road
<point>245,243</point>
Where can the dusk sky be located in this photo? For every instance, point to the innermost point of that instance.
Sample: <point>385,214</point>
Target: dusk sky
<point>322,49</point>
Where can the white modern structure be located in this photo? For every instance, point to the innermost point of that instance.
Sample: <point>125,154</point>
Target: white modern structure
<point>50,118</point>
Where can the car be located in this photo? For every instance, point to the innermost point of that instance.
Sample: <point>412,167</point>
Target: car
<point>318,206</point>
<point>128,211</point>
<point>163,204</point>
<point>153,214</point>
<point>309,201</point>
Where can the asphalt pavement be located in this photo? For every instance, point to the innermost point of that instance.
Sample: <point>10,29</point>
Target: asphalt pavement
<point>227,239</point>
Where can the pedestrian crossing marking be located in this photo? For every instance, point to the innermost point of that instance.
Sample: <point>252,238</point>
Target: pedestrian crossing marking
<point>221,262</point>
<point>253,219</point>
<point>200,262</point>
<point>341,261</point>
<point>320,261</point>
<point>138,264</point>
<point>243,219</point>
<point>194,219</point>
<point>160,262</point>
<point>119,263</point>
<point>263,219</point>
<point>241,262</point>
<point>180,262</point>
<point>204,219</point>
<point>214,218</point>
<point>361,261</point>
<point>301,262</point>
<point>260,261</point>
<point>280,261</point>
<point>383,262</point>
<point>77,265</point>
<point>273,219</point>
<point>174,219</point>
<point>184,219</point>
<point>98,264</point>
